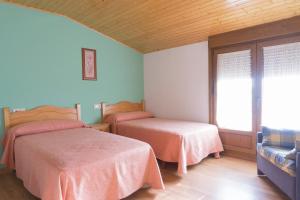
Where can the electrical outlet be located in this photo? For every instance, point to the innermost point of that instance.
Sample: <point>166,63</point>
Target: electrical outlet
<point>19,109</point>
<point>97,106</point>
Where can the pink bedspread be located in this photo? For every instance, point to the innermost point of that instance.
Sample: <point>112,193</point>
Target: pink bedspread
<point>174,141</point>
<point>84,164</point>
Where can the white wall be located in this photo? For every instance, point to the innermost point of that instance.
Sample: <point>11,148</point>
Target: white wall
<point>176,82</point>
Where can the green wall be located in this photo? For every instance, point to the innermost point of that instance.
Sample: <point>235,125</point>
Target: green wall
<point>40,63</point>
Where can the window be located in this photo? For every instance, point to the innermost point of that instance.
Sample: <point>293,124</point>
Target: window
<point>234,90</point>
<point>280,86</point>
<point>254,82</point>
<point>248,95</point>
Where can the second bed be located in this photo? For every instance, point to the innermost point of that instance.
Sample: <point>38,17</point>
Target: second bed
<point>183,142</point>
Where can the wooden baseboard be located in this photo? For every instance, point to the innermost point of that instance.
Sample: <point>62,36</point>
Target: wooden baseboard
<point>4,170</point>
<point>241,155</point>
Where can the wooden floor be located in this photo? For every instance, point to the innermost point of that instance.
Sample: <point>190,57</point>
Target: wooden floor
<point>213,179</point>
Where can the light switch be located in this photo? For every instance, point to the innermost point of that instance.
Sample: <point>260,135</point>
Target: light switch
<point>97,106</point>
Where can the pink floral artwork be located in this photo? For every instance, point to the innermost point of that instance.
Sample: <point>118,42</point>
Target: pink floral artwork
<point>89,64</point>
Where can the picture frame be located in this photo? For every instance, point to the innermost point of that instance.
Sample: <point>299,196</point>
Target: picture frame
<point>89,64</point>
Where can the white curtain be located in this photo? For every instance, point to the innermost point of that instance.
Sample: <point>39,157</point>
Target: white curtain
<point>281,86</point>
<point>234,91</point>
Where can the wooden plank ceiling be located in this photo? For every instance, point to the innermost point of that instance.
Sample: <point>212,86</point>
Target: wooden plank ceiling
<point>151,25</point>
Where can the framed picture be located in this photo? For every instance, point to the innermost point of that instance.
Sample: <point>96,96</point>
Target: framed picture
<point>89,66</point>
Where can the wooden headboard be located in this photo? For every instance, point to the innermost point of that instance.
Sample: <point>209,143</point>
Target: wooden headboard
<point>40,113</point>
<point>123,106</point>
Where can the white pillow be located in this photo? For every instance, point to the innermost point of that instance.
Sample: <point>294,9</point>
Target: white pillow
<point>292,153</point>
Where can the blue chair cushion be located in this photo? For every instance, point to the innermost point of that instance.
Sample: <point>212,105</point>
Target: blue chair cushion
<point>277,156</point>
<point>280,138</point>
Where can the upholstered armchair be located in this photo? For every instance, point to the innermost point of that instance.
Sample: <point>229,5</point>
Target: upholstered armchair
<point>279,161</point>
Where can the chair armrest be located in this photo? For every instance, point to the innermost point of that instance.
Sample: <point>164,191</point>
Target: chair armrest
<point>298,161</point>
<point>259,137</point>
<point>297,175</point>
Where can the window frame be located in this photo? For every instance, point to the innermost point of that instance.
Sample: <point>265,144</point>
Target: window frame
<point>239,144</point>
<point>228,49</point>
<point>260,67</point>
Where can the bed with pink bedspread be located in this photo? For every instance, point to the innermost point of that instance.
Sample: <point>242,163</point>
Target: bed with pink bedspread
<point>184,142</point>
<point>64,160</point>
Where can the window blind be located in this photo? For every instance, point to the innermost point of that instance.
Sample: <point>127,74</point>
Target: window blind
<point>280,86</point>
<point>234,91</point>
